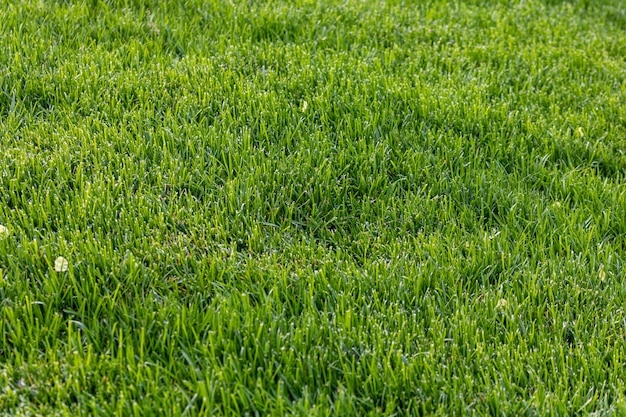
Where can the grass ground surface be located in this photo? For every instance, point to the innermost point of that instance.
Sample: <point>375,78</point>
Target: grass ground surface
<point>312,207</point>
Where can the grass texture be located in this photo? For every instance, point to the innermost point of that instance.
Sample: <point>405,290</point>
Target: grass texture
<point>312,207</point>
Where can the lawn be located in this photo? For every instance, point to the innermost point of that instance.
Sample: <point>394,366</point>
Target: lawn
<point>312,207</point>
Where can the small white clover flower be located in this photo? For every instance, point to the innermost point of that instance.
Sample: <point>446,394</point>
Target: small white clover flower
<point>4,232</point>
<point>502,304</point>
<point>61,264</point>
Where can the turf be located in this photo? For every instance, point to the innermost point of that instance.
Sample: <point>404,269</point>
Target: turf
<point>312,207</point>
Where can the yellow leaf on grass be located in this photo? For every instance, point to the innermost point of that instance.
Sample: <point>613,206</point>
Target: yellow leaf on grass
<point>61,264</point>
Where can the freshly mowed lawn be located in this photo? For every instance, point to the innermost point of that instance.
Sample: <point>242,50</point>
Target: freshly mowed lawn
<point>331,207</point>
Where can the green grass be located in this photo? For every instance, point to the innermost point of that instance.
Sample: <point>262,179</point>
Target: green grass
<point>313,207</point>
